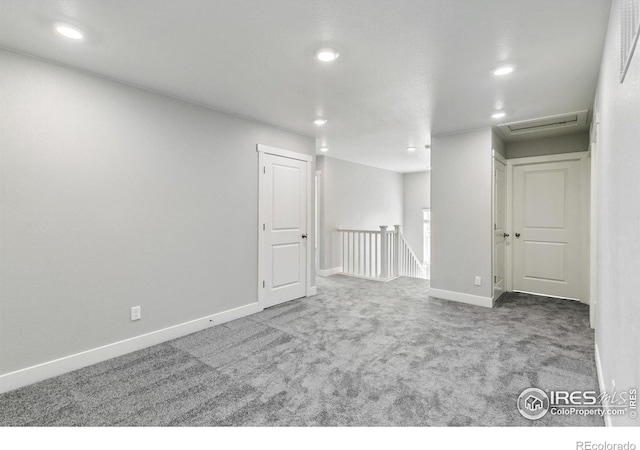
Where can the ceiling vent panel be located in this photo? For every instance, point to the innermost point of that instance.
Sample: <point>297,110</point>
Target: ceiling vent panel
<point>563,122</point>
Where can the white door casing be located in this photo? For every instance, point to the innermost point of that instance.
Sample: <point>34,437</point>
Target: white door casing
<point>548,225</point>
<point>593,222</point>
<point>500,236</point>
<point>284,225</point>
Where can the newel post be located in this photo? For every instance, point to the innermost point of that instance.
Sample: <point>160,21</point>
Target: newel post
<point>396,252</point>
<point>384,252</point>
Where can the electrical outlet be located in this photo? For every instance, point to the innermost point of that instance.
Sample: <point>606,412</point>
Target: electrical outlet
<point>478,281</point>
<point>136,313</point>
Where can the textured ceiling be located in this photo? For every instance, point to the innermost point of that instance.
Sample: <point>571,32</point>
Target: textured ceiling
<point>408,69</point>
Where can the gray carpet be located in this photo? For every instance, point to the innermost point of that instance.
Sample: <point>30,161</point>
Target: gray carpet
<point>359,353</point>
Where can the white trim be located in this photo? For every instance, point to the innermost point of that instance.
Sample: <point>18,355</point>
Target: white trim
<point>375,280</point>
<point>285,153</point>
<point>39,372</point>
<point>602,385</point>
<point>262,213</point>
<point>575,156</point>
<point>469,299</point>
<point>499,157</point>
<point>585,200</point>
<point>508,287</point>
<point>311,238</point>
<point>313,290</point>
<point>328,272</point>
<point>593,222</point>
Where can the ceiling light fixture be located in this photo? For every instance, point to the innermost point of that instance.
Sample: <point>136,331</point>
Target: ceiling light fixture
<point>320,121</point>
<point>503,70</point>
<point>327,54</point>
<point>69,32</point>
<point>324,149</point>
<point>498,115</point>
<point>411,149</point>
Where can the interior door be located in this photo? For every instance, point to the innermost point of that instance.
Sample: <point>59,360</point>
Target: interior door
<point>283,197</point>
<point>500,238</point>
<point>546,229</point>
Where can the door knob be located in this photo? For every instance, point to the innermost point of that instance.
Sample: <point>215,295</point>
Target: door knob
<point>304,236</point>
<point>505,235</point>
<point>517,235</point>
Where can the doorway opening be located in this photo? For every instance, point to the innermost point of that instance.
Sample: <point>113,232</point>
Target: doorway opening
<point>426,241</point>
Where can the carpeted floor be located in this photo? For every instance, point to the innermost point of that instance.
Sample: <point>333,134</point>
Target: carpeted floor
<point>360,353</point>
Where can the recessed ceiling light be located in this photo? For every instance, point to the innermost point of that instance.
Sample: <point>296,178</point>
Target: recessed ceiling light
<point>498,115</point>
<point>503,70</point>
<point>327,54</point>
<point>324,149</point>
<point>69,32</point>
<point>411,149</point>
<point>320,121</point>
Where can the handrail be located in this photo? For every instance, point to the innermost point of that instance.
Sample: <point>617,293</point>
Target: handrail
<point>364,231</point>
<point>378,254</point>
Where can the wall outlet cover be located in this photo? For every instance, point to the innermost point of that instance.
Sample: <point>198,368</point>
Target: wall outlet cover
<point>136,313</point>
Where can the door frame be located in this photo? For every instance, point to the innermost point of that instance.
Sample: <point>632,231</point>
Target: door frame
<point>308,159</point>
<point>507,273</point>
<point>583,159</point>
<point>593,221</point>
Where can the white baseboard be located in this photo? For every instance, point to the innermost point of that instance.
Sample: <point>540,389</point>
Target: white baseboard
<point>602,385</point>
<point>33,374</point>
<point>312,290</point>
<point>476,300</point>
<point>328,272</point>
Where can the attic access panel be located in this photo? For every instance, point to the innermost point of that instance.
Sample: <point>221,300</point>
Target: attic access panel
<point>564,121</point>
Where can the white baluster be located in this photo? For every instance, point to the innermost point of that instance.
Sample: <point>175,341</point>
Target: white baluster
<point>384,252</point>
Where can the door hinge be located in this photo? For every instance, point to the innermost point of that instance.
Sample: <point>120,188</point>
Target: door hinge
<point>264,227</point>
<point>495,278</point>
<point>263,285</point>
<point>264,169</point>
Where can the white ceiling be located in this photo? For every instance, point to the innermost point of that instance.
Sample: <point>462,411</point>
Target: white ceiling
<point>407,68</point>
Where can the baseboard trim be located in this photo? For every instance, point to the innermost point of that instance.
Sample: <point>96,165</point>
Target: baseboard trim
<point>328,272</point>
<point>469,299</point>
<point>313,290</point>
<point>602,385</point>
<point>40,372</point>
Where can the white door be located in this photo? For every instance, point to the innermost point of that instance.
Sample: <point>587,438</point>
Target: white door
<point>500,238</point>
<point>546,228</point>
<point>283,203</point>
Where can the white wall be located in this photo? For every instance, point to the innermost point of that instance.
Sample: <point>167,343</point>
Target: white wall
<point>618,218</point>
<point>112,196</point>
<point>354,196</point>
<point>461,223</point>
<point>549,146</point>
<point>417,196</point>
<point>498,144</point>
